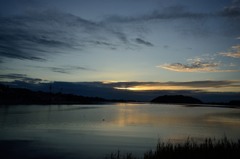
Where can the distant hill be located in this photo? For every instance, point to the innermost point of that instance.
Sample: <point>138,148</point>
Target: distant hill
<point>176,99</point>
<point>24,96</point>
<point>235,103</point>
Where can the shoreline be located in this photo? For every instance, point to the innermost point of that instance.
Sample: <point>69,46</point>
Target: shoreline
<point>127,102</point>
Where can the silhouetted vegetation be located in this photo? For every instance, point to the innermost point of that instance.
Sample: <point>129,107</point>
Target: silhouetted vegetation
<point>210,148</point>
<point>176,99</point>
<point>24,96</point>
<point>17,96</point>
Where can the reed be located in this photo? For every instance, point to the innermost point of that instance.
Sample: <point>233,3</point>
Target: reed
<point>209,148</point>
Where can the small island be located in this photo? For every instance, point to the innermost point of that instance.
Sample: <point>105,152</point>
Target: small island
<point>176,99</point>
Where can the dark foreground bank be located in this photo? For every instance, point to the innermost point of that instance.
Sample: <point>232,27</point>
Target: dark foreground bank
<point>210,148</point>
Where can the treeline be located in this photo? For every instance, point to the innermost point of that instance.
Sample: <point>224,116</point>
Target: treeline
<point>24,96</point>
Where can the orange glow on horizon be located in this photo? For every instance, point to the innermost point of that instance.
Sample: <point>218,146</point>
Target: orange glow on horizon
<point>156,88</point>
<point>178,88</point>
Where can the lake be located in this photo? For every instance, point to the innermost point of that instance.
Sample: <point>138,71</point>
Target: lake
<point>94,131</point>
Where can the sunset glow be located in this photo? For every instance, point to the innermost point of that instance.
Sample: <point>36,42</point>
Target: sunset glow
<point>178,88</point>
<point>110,48</point>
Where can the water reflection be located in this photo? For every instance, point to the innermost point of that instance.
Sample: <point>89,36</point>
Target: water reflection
<point>127,117</point>
<point>77,129</point>
<point>228,118</point>
<point>177,122</point>
<point>135,114</point>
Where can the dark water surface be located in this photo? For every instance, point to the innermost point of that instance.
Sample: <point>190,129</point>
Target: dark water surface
<point>93,131</point>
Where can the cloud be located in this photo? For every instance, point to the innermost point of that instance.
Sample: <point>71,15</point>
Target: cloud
<point>203,67</point>
<point>206,64</point>
<point>59,70</point>
<point>233,10</point>
<point>176,12</point>
<point>120,35</point>
<point>196,65</point>
<point>144,42</point>
<point>225,21</point>
<point>168,13</point>
<point>103,43</point>
<point>33,36</point>
<point>206,85</point>
<point>36,35</point>
<point>20,77</point>
<point>234,52</point>
<point>174,87</point>
<point>69,69</point>
<point>179,12</point>
<point>66,69</point>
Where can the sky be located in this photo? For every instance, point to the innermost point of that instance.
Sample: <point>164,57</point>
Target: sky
<point>131,45</point>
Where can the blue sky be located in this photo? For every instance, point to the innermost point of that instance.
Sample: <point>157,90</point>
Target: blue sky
<point>158,44</point>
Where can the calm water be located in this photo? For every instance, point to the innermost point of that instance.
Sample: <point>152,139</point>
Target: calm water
<point>93,131</point>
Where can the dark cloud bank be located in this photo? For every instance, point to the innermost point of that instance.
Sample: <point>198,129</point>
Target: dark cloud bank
<point>108,91</point>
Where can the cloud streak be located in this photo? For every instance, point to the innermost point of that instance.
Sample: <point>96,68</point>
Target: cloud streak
<point>20,77</point>
<point>143,42</point>
<point>69,69</point>
<point>37,35</point>
<point>224,85</point>
<point>179,12</point>
<point>196,65</point>
<point>205,83</point>
<point>234,52</point>
<point>200,67</point>
<point>190,21</point>
<point>169,13</point>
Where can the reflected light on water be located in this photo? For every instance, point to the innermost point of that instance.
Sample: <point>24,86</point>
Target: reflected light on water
<point>223,120</point>
<point>105,128</point>
<point>133,115</point>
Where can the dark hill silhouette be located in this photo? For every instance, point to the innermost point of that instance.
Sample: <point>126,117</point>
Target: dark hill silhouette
<point>17,96</point>
<point>235,103</point>
<point>176,99</point>
<point>24,96</point>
